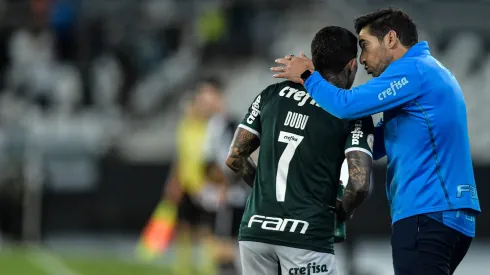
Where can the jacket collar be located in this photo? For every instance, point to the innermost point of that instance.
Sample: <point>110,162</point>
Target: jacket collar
<point>419,49</point>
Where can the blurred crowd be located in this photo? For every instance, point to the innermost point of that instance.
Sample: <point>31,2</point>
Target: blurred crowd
<point>80,75</point>
<point>106,67</point>
<point>80,80</point>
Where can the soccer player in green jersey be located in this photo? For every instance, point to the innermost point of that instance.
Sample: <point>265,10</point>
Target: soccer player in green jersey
<point>288,224</point>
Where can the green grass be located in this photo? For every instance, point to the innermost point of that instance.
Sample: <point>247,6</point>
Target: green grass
<point>22,262</point>
<point>14,263</point>
<point>103,267</point>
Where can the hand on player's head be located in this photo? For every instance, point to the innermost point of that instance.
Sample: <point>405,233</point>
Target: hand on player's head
<point>292,67</point>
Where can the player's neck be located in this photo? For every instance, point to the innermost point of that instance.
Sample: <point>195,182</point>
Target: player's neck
<point>339,80</point>
<point>399,52</point>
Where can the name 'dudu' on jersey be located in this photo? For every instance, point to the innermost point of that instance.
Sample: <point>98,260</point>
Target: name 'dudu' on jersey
<point>296,120</point>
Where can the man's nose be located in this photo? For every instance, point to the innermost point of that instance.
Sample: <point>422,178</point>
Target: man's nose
<point>362,60</point>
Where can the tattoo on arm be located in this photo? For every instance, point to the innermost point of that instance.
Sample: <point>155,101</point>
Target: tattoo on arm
<point>243,145</point>
<point>357,188</point>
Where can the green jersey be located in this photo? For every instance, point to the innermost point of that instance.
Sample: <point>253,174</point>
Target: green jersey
<point>302,148</point>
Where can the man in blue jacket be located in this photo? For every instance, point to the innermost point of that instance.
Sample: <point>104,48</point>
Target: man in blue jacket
<point>430,183</point>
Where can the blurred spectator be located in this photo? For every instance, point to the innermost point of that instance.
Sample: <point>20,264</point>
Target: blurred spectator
<point>211,29</point>
<point>106,80</point>
<point>219,134</point>
<point>197,195</point>
<point>158,34</point>
<point>31,54</point>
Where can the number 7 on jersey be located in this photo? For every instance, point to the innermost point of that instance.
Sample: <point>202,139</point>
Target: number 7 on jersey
<point>292,141</point>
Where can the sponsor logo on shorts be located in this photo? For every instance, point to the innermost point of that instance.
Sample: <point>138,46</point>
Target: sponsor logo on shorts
<point>394,87</point>
<point>310,268</point>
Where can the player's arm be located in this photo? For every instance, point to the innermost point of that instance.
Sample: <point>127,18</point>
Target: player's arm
<point>246,140</point>
<point>399,84</point>
<point>359,164</point>
<point>172,190</point>
<point>243,145</point>
<point>358,152</point>
<point>214,131</point>
<point>214,173</point>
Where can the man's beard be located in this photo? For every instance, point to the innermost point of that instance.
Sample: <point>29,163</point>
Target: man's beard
<point>382,67</point>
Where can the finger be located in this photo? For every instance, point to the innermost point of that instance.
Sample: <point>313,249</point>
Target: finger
<point>278,69</point>
<point>282,61</point>
<point>281,75</point>
<point>303,55</point>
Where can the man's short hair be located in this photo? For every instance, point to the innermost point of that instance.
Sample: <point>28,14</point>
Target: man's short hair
<point>214,81</point>
<point>382,21</point>
<point>332,48</point>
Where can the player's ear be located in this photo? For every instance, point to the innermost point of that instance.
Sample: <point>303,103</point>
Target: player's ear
<point>353,65</point>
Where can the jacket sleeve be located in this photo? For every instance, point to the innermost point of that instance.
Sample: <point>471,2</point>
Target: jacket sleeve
<point>399,84</point>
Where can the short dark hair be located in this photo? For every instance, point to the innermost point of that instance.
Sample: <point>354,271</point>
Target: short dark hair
<point>332,48</point>
<point>384,20</point>
<point>214,81</point>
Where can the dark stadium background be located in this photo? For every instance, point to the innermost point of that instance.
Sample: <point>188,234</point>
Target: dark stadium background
<point>88,115</point>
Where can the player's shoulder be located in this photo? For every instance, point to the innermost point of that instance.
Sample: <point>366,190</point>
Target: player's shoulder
<point>291,84</point>
<point>294,92</point>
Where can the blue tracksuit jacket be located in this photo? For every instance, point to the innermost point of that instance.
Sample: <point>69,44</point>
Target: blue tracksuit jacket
<point>424,135</point>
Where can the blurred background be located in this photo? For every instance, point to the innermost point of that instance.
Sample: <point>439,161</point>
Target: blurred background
<point>93,94</point>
